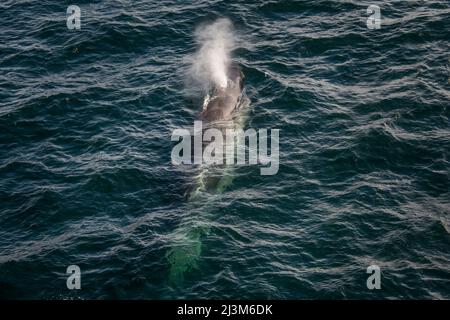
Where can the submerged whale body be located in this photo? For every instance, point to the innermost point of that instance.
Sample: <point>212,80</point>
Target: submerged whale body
<point>219,111</point>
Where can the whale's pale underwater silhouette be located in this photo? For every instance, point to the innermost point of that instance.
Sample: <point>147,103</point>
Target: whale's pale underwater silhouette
<point>222,108</point>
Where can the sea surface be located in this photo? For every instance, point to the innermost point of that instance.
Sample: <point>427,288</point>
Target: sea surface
<point>86,177</point>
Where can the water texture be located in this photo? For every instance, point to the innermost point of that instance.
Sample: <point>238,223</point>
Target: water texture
<point>86,176</point>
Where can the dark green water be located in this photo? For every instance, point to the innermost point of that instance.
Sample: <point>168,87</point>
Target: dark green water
<point>86,176</point>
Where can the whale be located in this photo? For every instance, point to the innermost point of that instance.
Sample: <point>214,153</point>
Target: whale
<point>223,107</point>
<point>222,103</point>
<point>221,110</point>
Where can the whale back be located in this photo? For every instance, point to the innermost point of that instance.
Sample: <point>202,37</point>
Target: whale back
<point>223,101</point>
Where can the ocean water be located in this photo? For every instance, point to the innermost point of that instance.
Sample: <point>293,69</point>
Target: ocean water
<point>86,176</point>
